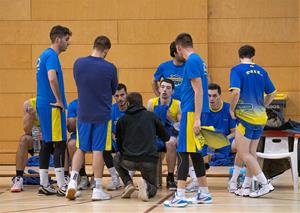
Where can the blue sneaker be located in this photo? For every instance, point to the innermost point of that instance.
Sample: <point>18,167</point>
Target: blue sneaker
<point>176,202</point>
<point>201,198</point>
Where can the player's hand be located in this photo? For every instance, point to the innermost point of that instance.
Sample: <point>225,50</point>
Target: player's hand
<point>197,127</point>
<point>58,104</point>
<point>232,113</point>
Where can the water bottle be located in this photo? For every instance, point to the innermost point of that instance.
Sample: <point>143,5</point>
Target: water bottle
<point>36,141</point>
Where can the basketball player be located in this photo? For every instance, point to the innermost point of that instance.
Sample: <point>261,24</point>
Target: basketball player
<point>248,83</point>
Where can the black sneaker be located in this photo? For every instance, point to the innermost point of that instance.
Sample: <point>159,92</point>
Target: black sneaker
<point>171,185</point>
<point>61,192</point>
<point>49,190</point>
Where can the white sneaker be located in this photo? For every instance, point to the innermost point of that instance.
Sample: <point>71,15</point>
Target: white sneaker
<point>201,198</point>
<point>71,191</point>
<point>84,183</point>
<point>263,190</point>
<point>232,186</point>
<point>99,194</point>
<point>244,192</point>
<point>143,193</point>
<point>192,187</point>
<point>17,184</point>
<point>114,184</point>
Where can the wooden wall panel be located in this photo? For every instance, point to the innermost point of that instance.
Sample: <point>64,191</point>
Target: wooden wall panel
<point>15,10</point>
<point>37,32</point>
<point>138,80</point>
<point>74,9</point>
<point>253,30</point>
<point>160,31</point>
<point>11,128</point>
<point>17,81</point>
<point>267,54</point>
<point>15,56</point>
<point>252,8</point>
<point>11,105</point>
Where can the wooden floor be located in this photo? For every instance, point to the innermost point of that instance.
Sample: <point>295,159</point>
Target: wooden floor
<point>283,199</point>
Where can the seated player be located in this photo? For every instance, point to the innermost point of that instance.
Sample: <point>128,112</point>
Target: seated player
<point>219,117</point>
<point>118,110</point>
<point>168,111</point>
<point>30,124</point>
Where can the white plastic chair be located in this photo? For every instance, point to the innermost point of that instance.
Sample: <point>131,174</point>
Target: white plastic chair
<point>278,148</point>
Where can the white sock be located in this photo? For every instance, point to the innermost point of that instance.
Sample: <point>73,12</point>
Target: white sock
<point>247,182</point>
<point>180,193</point>
<point>113,173</point>
<point>236,173</point>
<point>203,190</point>
<point>74,176</point>
<point>131,173</point>
<point>59,173</point>
<point>98,182</point>
<point>44,179</point>
<point>262,178</point>
<point>192,173</point>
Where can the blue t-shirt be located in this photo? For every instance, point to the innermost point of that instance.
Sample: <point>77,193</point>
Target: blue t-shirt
<point>194,68</point>
<point>96,80</point>
<point>221,119</point>
<point>116,114</point>
<point>252,81</point>
<point>169,70</point>
<point>48,60</point>
<point>72,113</point>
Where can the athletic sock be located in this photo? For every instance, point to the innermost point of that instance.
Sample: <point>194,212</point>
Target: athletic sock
<point>192,173</point>
<point>74,176</point>
<point>44,179</point>
<point>82,172</point>
<point>180,193</point>
<point>203,190</point>
<point>19,173</point>
<point>247,182</point>
<point>113,173</point>
<point>235,174</point>
<point>262,178</point>
<point>59,173</point>
<point>98,182</point>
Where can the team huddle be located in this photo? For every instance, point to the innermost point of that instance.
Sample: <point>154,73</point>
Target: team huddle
<point>127,137</point>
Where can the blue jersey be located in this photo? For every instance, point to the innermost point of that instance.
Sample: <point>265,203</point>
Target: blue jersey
<point>116,114</point>
<point>72,113</point>
<point>48,60</point>
<point>220,119</point>
<point>169,70</point>
<point>194,68</point>
<point>96,81</point>
<point>252,81</point>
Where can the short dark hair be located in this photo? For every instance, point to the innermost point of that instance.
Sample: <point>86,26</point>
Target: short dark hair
<point>213,86</point>
<point>122,86</point>
<point>173,49</point>
<point>169,81</point>
<point>135,99</point>
<point>102,43</point>
<point>246,51</point>
<point>184,39</point>
<point>59,31</point>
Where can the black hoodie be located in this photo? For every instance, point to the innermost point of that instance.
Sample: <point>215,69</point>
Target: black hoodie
<point>136,134</point>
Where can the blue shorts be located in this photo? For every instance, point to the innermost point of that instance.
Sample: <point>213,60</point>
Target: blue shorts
<point>250,131</point>
<point>161,146</point>
<point>93,137</point>
<point>73,136</point>
<point>188,142</point>
<point>52,123</point>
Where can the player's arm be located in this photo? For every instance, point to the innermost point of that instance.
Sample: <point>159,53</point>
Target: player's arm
<point>55,88</point>
<point>28,118</point>
<point>71,124</point>
<point>234,100</point>
<point>149,105</point>
<point>197,87</point>
<point>155,87</point>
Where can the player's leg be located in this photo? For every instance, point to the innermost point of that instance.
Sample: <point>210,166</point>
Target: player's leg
<point>147,184</point>
<point>171,157</point>
<point>25,144</point>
